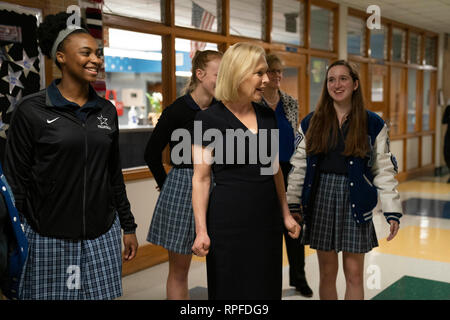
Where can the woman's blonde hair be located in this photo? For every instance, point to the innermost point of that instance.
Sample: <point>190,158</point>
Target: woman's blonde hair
<point>238,62</point>
<point>200,61</point>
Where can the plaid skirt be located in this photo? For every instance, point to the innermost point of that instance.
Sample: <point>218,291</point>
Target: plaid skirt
<point>331,225</point>
<point>173,225</point>
<point>58,269</point>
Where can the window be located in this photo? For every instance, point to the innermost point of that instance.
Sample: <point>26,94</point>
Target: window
<point>414,47</point>
<point>288,22</point>
<point>317,76</point>
<point>185,50</point>
<point>198,14</point>
<point>132,63</point>
<point>398,45</point>
<point>321,28</point>
<point>378,43</point>
<point>356,36</point>
<point>430,51</point>
<point>426,100</point>
<point>412,100</point>
<point>377,85</point>
<point>133,83</point>
<point>244,24</point>
<point>289,84</point>
<point>143,9</point>
<point>396,108</point>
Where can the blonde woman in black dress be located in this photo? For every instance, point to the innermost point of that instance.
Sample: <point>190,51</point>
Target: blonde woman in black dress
<point>239,226</point>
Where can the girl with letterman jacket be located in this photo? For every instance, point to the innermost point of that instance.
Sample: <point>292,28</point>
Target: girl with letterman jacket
<point>341,167</point>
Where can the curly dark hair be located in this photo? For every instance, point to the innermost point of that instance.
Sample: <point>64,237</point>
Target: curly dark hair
<point>48,30</point>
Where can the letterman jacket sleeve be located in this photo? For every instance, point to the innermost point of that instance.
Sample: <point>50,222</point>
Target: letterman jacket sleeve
<point>384,170</point>
<point>18,157</point>
<point>118,186</point>
<point>296,176</point>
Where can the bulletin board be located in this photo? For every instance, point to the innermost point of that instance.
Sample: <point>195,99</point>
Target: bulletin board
<point>21,62</point>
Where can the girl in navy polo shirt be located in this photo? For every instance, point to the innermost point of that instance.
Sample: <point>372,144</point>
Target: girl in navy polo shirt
<point>63,165</point>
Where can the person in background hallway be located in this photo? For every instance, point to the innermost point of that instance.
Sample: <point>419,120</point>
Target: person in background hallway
<point>341,165</point>
<point>286,112</point>
<point>63,165</point>
<point>446,120</point>
<point>239,225</point>
<point>172,225</point>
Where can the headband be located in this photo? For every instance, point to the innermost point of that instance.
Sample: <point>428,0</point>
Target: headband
<point>61,36</point>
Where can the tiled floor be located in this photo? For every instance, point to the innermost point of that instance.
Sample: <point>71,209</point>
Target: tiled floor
<point>420,250</point>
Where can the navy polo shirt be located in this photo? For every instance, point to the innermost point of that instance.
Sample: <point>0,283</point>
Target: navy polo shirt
<point>334,161</point>
<point>193,105</point>
<point>57,100</point>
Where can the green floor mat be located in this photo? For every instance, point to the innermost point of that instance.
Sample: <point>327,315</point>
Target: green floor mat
<point>411,288</point>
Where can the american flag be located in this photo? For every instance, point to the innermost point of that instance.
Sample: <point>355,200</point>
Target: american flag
<point>203,20</point>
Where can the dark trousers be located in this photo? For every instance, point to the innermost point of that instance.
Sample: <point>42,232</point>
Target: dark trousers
<point>295,249</point>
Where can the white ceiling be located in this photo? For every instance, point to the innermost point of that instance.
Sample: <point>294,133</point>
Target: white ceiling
<point>431,15</point>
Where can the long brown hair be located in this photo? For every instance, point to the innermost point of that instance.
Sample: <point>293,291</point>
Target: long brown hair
<point>199,61</point>
<point>323,131</point>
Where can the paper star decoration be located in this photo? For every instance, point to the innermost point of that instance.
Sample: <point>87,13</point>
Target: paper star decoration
<point>27,64</point>
<point>13,101</point>
<point>13,79</point>
<point>4,53</point>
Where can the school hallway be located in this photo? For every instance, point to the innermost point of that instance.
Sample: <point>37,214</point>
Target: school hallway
<point>414,265</point>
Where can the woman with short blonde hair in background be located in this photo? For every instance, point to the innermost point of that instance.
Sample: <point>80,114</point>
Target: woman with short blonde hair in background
<point>286,112</point>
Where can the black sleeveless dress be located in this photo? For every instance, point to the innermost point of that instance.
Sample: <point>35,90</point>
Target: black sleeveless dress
<point>244,218</point>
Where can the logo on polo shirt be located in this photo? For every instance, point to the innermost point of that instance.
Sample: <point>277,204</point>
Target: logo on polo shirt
<point>53,120</point>
<point>103,123</point>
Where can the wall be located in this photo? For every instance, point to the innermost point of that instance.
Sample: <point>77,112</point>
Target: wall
<point>446,92</point>
<point>49,6</point>
<point>446,69</point>
<point>142,195</point>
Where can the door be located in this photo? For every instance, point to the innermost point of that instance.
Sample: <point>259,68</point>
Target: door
<point>294,79</point>
<point>397,112</point>
<point>378,90</point>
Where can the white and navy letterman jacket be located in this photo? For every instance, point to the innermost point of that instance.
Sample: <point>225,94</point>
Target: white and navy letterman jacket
<point>368,177</point>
